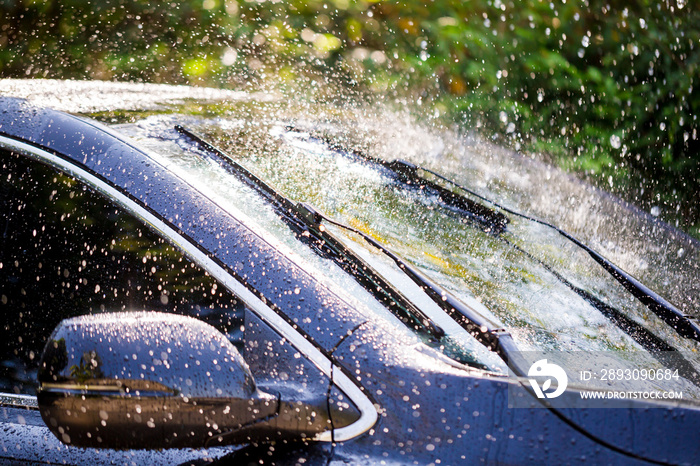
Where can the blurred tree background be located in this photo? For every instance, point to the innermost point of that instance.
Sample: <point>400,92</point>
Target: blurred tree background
<point>607,88</point>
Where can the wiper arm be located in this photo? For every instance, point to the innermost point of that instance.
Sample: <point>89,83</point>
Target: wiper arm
<point>495,222</point>
<point>501,342</point>
<point>306,223</point>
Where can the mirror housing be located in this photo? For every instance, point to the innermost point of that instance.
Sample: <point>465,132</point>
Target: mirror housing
<point>156,380</point>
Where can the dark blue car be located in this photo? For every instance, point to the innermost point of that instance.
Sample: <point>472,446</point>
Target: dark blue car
<point>149,318</point>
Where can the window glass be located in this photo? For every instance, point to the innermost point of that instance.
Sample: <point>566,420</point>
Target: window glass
<point>67,251</point>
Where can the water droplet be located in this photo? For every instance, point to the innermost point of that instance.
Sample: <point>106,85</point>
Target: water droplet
<point>615,141</point>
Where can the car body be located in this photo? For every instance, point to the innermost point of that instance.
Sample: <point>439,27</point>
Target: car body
<point>409,403</point>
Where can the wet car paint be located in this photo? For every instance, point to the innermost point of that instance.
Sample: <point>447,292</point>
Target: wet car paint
<point>428,408</point>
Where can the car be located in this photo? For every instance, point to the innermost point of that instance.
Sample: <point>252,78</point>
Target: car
<point>152,316</point>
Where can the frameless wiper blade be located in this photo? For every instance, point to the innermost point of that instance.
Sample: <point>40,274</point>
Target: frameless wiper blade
<point>657,347</point>
<point>305,222</point>
<point>685,325</point>
<point>496,338</point>
<point>408,174</point>
<point>496,222</point>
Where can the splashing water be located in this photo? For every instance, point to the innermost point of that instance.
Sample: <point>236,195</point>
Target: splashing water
<point>487,271</point>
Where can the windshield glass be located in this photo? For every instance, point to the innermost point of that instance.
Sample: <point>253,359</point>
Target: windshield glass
<point>503,276</point>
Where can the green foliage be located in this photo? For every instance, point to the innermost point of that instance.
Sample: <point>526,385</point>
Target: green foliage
<point>614,85</point>
<point>110,39</point>
<point>605,87</point>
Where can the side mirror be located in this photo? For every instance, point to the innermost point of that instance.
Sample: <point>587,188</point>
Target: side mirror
<point>155,380</point>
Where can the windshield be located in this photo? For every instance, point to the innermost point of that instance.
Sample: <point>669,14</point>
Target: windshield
<point>502,276</point>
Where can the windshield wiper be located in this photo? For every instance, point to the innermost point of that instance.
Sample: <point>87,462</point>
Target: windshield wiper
<point>307,223</point>
<point>408,174</point>
<point>494,222</point>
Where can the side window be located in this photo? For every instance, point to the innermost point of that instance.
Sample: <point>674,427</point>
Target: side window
<point>66,251</point>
